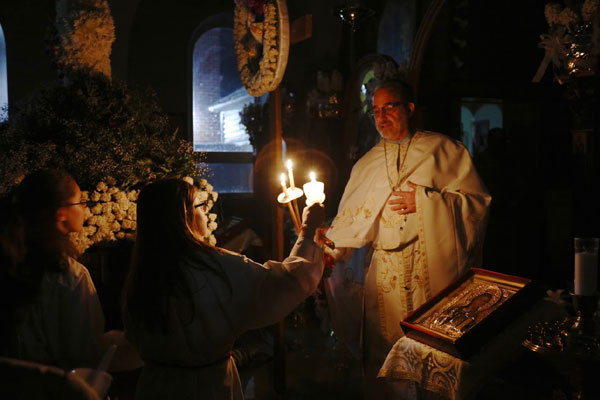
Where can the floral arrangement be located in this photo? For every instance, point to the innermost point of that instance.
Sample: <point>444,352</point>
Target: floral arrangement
<point>85,33</point>
<point>94,128</point>
<point>111,138</point>
<point>111,213</point>
<point>261,35</point>
<point>572,43</point>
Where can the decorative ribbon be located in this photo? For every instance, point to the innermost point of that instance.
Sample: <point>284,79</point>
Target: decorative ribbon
<point>555,49</point>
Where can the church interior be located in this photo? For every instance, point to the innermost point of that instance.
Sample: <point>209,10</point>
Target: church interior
<point>485,74</point>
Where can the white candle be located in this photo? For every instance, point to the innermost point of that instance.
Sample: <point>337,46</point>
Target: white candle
<point>291,173</point>
<point>282,178</point>
<point>586,273</point>
<point>314,190</point>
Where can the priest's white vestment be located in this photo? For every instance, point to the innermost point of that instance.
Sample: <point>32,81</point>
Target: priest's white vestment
<point>411,257</point>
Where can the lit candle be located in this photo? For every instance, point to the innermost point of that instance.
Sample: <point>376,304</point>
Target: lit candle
<point>283,185</point>
<point>291,173</point>
<point>586,266</point>
<point>314,190</point>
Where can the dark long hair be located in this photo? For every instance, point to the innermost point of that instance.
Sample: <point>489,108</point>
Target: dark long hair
<point>30,242</point>
<point>36,201</point>
<point>167,236</point>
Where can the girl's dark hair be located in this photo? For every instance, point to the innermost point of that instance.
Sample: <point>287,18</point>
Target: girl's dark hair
<point>30,241</point>
<point>36,201</point>
<point>167,236</point>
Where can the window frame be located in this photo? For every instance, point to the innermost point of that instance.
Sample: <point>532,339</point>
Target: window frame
<point>217,20</point>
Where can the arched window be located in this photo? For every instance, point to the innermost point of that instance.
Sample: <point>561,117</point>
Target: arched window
<point>3,79</point>
<point>218,97</point>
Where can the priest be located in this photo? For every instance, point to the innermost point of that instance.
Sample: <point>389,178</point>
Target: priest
<point>416,207</point>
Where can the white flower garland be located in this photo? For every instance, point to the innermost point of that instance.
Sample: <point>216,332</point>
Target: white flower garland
<point>114,216</point>
<point>272,34</point>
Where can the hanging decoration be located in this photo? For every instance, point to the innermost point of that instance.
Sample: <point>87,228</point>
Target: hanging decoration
<point>261,35</point>
<point>572,43</point>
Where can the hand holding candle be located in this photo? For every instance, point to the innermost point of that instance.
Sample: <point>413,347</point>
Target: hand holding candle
<point>314,190</point>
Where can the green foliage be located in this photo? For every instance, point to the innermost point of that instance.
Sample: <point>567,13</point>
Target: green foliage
<point>94,128</point>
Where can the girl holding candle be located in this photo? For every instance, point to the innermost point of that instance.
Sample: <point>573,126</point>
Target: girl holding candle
<point>186,301</point>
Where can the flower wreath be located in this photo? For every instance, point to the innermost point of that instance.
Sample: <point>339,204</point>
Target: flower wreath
<point>261,28</point>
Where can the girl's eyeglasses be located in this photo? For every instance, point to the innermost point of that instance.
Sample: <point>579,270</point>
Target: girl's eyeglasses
<point>203,204</point>
<point>87,203</point>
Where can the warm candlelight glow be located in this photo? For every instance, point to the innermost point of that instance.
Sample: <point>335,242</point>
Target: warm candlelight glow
<point>291,173</point>
<point>282,179</point>
<point>314,190</point>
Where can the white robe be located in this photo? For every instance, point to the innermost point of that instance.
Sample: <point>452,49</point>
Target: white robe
<point>411,260</point>
<point>191,360</point>
<point>64,327</point>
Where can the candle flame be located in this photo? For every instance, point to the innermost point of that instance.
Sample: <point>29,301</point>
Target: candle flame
<point>312,176</point>
<point>289,163</point>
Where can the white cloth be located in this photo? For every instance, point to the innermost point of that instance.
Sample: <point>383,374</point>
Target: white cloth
<point>65,325</point>
<point>414,258</point>
<point>451,378</point>
<point>177,362</point>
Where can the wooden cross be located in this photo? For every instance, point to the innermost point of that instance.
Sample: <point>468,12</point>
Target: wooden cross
<point>300,30</point>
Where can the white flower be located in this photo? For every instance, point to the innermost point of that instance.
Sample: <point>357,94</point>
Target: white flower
<point>95,196</point>
<point>212,217</point>
<point>85,195</point>
<point>214,196</point>
<point>132,213</point>
<point>212,226</point>
<point>202,196</point>
<point>132,195</point>
<point>101,187</point>
<point>105,197</point>
<point>128,224</point>
<point>212,240</point>
<point>97,209</point>
<point>188,179</point>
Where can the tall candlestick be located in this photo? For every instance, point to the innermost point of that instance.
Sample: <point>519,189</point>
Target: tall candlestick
<point>291,173</point>
<point>586,266</point>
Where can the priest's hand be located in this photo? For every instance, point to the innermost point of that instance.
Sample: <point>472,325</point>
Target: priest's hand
<point>404,201</point>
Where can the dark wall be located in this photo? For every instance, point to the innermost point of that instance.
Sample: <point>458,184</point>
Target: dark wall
<point>477,49</point>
